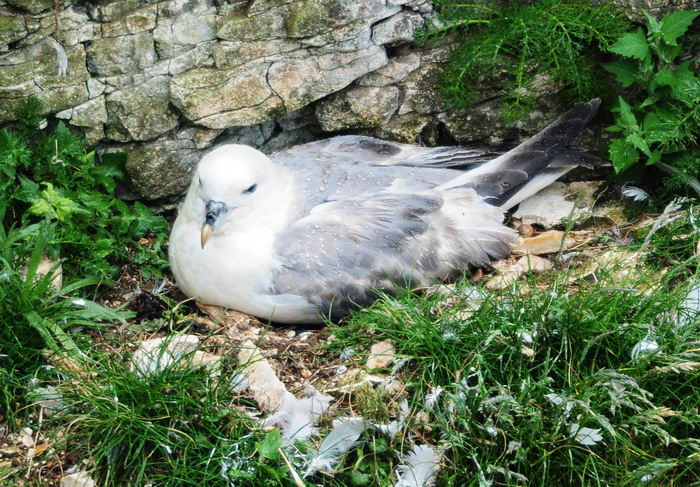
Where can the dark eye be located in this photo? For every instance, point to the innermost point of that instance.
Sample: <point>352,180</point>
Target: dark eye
<point>251,188</point>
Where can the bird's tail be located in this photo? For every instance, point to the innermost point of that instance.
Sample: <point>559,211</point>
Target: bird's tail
<point>534,164</point>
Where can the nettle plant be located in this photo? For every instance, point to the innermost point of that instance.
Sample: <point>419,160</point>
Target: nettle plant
<point>52,185</point>
<point>661,124</point>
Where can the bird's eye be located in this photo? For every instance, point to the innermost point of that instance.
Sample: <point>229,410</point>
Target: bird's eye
<point>251,188</point>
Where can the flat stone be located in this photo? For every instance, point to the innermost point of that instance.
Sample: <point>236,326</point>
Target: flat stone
<point>161,168</point>
<point>301,81</point>
<point>558,202</point>
<point>140,20</point>
<point>358,107</point>
<point>92,112</point>
<point>397,28</point>
<point>121,55</point>
<point>33,71</point>
<point>551,242</point>
<point>403,128</point>
<point>394,72</point>
<point>222,99</point>
<point>12,28</point>
<point>381,355</point>
<point>32,6</point>
<point>141,114</point>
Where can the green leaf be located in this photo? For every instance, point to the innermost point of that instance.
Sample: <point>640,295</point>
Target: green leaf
<point>673,26</point>
<point>626,72</point>
<point>665,77</point>
<point>632,44</point>
<point>359,479</point>
<point>638,141</point>
<point>622,155</point>
<point>654,157</point>
<point>270,445</point>
<point>653,25</point>
<point>626,116</point>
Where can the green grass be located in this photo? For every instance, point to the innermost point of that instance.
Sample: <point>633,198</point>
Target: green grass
<point>528,366</point>
<point>178,427</point>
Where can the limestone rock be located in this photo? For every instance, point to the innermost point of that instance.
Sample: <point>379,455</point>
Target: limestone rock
<point>634,9</point>
<point>484,123</point>
<point>108,10</point>
<point>229,54</point>
<point>12,28</point>
<point>33,71</point>
<point>396,70</point>
<point>301,81</point>
<point>404,128</point>
<point>89,114</point>
<point>161,168</point>
<point>121,55</point>
<point>140,20</point>
<point>420,91</point>
<point>358,107</point>
<point>32,6</point>
<point>141,114</point>
<point>221,99</point>
<point>397,28</point>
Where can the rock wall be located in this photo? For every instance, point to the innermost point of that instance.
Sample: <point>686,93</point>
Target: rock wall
<point>163,80</point>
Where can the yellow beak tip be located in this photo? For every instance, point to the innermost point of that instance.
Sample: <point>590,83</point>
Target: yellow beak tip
<point>206,234</point>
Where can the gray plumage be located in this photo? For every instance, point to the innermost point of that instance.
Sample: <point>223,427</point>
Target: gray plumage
<point>319,228</point>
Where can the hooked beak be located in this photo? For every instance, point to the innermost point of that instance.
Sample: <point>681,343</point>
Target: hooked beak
<point>214,211</point>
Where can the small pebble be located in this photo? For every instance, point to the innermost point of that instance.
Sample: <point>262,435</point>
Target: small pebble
<point>525,230</point>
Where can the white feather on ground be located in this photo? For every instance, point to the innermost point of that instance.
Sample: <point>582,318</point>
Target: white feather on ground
<point>296,416</point>
<point>419,469</point>
<point>392,428</point>
<point>341,439</point>
<point>634,193</point>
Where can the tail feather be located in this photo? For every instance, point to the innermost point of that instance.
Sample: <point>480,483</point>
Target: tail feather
<point>508,179</point>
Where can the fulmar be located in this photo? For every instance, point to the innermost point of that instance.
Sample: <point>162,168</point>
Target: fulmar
<point>318,229</point>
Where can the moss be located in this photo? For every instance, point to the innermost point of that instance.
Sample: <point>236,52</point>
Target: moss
<point>8,24</point>
<point>311,17</point>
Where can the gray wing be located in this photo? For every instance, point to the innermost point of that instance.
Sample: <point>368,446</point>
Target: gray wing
<point>350,166</point>
<point>341,254</point>
<point>368,151</point>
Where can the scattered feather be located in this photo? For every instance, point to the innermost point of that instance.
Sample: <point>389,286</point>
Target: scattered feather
<point>155,355</point>
<point>634,193</point>
<point>419,469</point>
<point>346,354</point>
<point>432,397</point>
<point>296,416</point>
<point>585,436</point>
<point>647,346</point>
<point>340,440</point>
<point>392,428</point>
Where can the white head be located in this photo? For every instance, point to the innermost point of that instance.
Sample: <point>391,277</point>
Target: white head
<point>230,179</point>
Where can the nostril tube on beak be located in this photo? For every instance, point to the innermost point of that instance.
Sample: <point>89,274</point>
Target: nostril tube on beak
<point>214,211</point>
